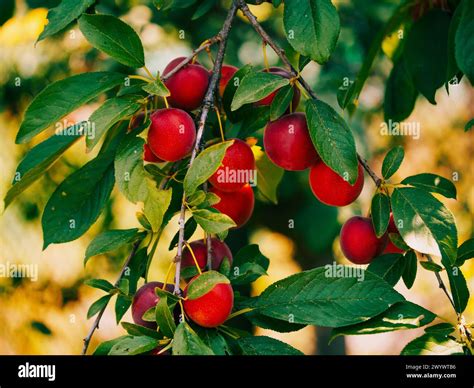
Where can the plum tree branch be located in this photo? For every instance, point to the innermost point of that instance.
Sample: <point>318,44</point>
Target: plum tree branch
<point>441,283</point>
<point>208,101</point>
<point>281,54</point>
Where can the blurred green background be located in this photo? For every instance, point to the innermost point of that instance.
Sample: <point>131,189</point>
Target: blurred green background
<point>48,316</point>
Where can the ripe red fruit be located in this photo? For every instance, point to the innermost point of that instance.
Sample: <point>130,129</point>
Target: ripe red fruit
<point>226,75</point>
<point>237,169</point>
<point>331,189</point>
<point>269,99</point>
<point>144,299</point>
<point>149,156</point>
<point>219,250</point>
<point>172,134</point>
<point>187,86</point>
<point>238,205</point>
<point>391,247</point>
<point>288,144</point>
<point>211,309</point>
<point>359,242</point>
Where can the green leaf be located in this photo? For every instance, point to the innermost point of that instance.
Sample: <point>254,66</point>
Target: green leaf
<point>205,164</point>
<point>136,269</point>
<point>453,68</point>
<point>203,8</point>
<point>281,102</point>
<point>189,229</point>
<point>397,240</point>
<point>66,12</point>
<point>426,52</point>
<point>187,343</point>
<point>465,252</point>
<point>428,226</point>
<point>312,27</point>
<point>459,290</point>
<point>400,93</point>
<point>122,304</point>
<point>269,175</point>
<point>432,183</point>
<point>78,201</point>
<point>212,221</point>
<point>315,298</point>
<point>110,240</point>
<point>164,316</point>
<point>7,10</point>
<point>248,265</point>
<point>109,113</point>
<point>138,330</point>
<point>430,266</point>
<point>196,198</point>
<point>392,161</point>
<point>469,125</point>
<point>256,86</point>
<point>441,328</point>
<point>432,344</point>
<point>114,37</point>
<point>156,204</point>
<point>98,305</point>
<point>214,340</point>
<point>229,93</point>
<point>130,174</point>
<point>40,158</point>
<point>401,316</point>
<point>272,324</point>
<point>389,267</point>
<point>130,346</point>
<point>380,212</point>
<point>101,284</point>
<point>333,139</point>
<point>156,88</point>
<point>205,283</point>
<point>265,346</point>
<point>411,266</point>
<point>62,97</point>
<point>464,46</point>
<point>104,348</point>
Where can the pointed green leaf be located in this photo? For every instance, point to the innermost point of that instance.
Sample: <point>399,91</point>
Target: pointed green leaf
<point>157,88</point>
<point>205,283</point>
<point>110,240</point>
<point>459,290</point>
<point>269,175</point>
<point>465,252</point>
<point>432,344</point>
<point>98,305</point>
<point>187,343</point>
<point>130,346</point>
<point>266,346</point>
<point>380,212</point>
<point>464,46</point>
<point>281,102</point>
<point>389,267</point>
<point>432,183</point>
<point>164,316</point>
<point>101,284</point>
<point>156,204</point>
<point>430,266</point>
<point>411,266</point>
<point>392,161</point>
<point>212,221</point>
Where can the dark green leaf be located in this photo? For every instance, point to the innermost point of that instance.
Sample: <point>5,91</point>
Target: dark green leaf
<point>333,139</point>
<point>427,225</point>
<point>380,212</point>
<point>122,304</point>
<point>272,324</point>
<point>114,37</point>
<point>389,267</point>
<point>41,327</point>
<point>441,328</point>
<point>104,348</point>
<point>432,344</point>
<point>7,9</point>
<point>465,252</point>
<point>164,316</point>
<point>392,161</point>
<point>469,125</point>
<point>111,240</point>
<point>281,102</point>
<point>397,240</point>
<point>312,27</point>
<point>452,68</point>
<point>402,315</point>
<point>138,330</point>
<point>78,201</point>
<point>432,183</point>
<point>248,265</point>
<point>62,97</point>
<point>98,305</point>
<point>229,93</point>
<point>205,283</point>
<point>315,297</point>
<point>464,46</point>
<point>101,284</point>
<point>269,175</point>
<point>130,346</point>
<point>214,340</point>
<point>430,266</point>
<point>203,8</point>
<point>189,229</point>
<point>459,290</point>
<point>265,346</point>
<point>212,221</point>
<point>411,266</point>
<point>187,343</point>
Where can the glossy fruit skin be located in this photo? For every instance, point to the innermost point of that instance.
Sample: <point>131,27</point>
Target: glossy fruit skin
<point>288,144</point>
<point>149,156</point>
<point>211,309</point>
<point>269,99</point>
<point>239,162</point>
<point>188,86</point>
<point>391,247</point>
<point>144,299</point>
<point>227,73</point>
<point>331,189</point>
<point>220,250</point>
<point>238,205</point>
<point>359,242</point>
<point>172,134</point>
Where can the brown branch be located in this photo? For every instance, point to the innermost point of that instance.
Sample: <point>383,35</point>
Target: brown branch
<point>281,54</point>
<point>208,101</point>
<point>441,283</point>
<point>95,325</point>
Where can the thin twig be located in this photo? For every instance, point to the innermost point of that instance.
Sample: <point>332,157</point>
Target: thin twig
<point>207,103</point>
<point>294,73</point>
<point>95,325</point>
<point>441,283</point>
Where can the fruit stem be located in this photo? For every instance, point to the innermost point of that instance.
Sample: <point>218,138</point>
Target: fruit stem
<point>194,257</point>
<point>148,72</point>
<point>166,102</point>
<point>168,272</point>
<point>265,57</point>
<point>140,78</point>
<point>240,312</point>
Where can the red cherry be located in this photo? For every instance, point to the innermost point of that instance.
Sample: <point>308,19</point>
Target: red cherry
<point>269,99</point>
<point>149,156</point>
<point>226,75</point>
<point>359,242</point>
<point>237,169</point>
<point>144,299</point>
<point>187,86</point>
<point>211,309</point>
<point>288,144</point>
<point>391,247</point>
<point>238,205</point>
<point>219,250</point>
<point>330,188</point>
<point>172,134</point>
